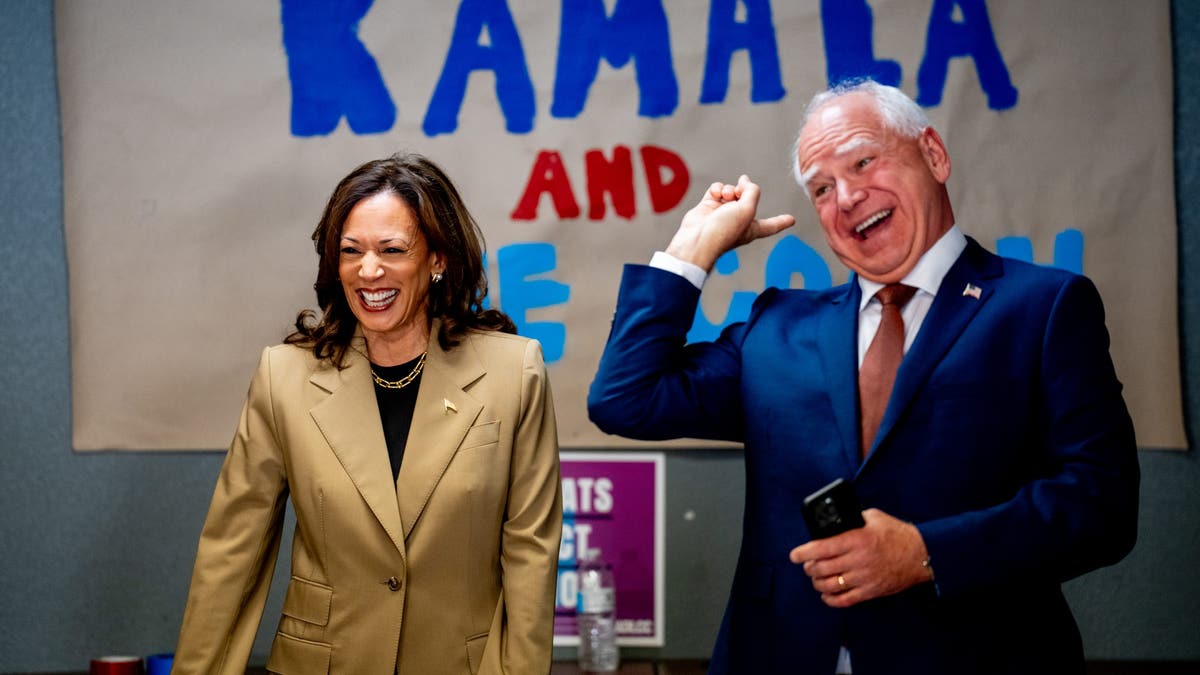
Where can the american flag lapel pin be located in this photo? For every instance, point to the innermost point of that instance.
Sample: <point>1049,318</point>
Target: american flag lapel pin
<point>973,291</point>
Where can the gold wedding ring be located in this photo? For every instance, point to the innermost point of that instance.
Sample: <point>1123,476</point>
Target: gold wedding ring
<point>841,580</point>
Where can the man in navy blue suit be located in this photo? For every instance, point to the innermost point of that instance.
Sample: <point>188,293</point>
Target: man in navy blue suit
<point>1001,463</point>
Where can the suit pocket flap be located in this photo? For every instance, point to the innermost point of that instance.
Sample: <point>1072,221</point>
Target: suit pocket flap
<point>482,434</point>
<point>308,601</point>
<point>293,655</point>
<point>475,648</point>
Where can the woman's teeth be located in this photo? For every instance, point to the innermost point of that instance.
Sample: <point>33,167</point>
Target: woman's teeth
<point>378,299</point>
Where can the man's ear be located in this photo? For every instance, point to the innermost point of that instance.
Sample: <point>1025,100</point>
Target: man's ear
<point>933,150</point>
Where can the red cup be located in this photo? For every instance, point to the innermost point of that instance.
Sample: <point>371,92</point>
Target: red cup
<point>117,665</point>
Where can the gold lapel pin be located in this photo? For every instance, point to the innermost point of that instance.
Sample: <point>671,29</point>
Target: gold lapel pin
<point>450,407</point>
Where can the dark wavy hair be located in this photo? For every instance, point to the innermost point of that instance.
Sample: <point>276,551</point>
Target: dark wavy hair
<point>449,230</point>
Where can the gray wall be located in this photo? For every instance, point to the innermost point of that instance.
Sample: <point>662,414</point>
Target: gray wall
<point>95,549</point>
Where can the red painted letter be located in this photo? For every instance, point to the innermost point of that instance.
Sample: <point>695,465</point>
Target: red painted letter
<point>548,175</point>
<point>664,195</point>
<point>615,178</point>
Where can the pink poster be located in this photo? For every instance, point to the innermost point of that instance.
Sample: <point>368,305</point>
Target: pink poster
<point>613,507</point>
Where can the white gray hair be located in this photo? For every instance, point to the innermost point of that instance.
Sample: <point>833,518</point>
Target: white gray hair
<point>899,113</point>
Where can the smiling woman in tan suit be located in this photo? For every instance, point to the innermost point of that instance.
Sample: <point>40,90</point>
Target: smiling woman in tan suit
<point>416,437</point>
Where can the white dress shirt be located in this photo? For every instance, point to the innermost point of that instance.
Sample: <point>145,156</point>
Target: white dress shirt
<point>926,277</point>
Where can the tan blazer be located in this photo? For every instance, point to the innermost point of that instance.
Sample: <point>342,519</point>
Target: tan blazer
<point>450,570</point>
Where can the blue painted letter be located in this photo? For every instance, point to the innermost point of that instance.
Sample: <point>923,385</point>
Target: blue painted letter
<point>972,37</point>
<point>1068,250</point>
<point>332,73</point>
<point>637,30</point>
<point>789,257</point>
<point>519,293</point>
<point>740,304</point>
<point>505,57</point>
<point>757,36</point>
<point>848,26</point>
<point>792,256</point>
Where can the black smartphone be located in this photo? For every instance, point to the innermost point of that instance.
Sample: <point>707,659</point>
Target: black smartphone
<point>832,510</point>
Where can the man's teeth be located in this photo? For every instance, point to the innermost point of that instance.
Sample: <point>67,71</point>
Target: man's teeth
<point>378,298</point>
<point>863,226</point>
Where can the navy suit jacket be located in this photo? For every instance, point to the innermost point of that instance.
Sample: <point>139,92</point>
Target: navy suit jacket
<point>1006,441</point>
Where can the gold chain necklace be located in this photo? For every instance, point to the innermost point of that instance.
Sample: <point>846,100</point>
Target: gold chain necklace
<point>404,381</point>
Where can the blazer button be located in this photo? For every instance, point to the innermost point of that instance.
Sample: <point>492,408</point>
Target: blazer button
<point>393,584</point>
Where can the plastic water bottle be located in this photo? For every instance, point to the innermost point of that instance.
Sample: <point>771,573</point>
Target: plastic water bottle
<point>595,612</point>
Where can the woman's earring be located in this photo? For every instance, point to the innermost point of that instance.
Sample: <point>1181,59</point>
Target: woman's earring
<point>437,276</point>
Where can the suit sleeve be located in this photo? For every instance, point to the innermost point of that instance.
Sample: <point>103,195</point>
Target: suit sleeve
<point>532,530</point>
<point>650,385</point>
<point>239,543</point>
<point>1078,511</point>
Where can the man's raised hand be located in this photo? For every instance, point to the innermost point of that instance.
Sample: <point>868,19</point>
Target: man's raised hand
<point>723,220</point>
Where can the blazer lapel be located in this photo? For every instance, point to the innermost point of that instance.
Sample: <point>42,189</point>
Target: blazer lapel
<point>349,420</point>
<point>839,359</point>
<point>951,311</point>
<point>443,415</point>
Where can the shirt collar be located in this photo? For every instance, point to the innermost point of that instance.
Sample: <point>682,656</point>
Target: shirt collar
<point>929,271</point>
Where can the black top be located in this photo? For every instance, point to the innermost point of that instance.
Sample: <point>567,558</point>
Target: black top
<point>396,408</point>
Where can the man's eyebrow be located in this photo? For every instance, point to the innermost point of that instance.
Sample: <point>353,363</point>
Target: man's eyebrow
<point>840,151</point>
<point>852,145</point>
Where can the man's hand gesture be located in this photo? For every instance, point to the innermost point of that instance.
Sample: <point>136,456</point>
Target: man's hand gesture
<point>723,220</point>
